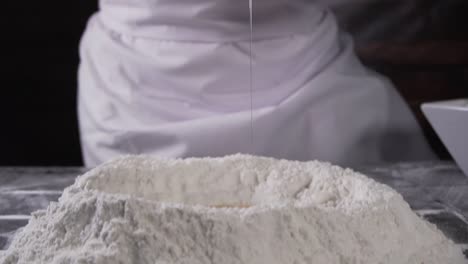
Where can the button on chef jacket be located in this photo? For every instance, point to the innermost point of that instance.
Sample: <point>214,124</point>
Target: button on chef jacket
<point>171,78</point>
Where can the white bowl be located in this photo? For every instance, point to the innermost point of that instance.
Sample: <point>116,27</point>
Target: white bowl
<point>450,121</point>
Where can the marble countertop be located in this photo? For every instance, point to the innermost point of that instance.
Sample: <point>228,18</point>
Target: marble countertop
<point>437,191</point>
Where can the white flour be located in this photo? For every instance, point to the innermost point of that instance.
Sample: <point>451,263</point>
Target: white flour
<point>239,209</point>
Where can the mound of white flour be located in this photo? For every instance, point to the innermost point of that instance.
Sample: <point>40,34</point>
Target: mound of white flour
<point>238,209</point>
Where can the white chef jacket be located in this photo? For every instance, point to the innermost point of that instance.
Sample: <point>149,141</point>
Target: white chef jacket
<point>171,78</point>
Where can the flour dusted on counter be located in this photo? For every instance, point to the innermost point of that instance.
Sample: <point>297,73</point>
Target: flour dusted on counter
<point>238,209</point>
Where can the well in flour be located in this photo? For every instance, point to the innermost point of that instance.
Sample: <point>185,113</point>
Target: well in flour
<point>237,209</point>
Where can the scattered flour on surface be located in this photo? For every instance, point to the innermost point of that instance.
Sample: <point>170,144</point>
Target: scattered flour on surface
<point>237,209</point>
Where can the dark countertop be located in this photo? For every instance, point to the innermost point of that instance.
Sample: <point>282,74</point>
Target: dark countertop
<point>438,191</point>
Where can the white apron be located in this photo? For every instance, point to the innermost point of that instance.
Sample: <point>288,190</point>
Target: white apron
<point>171,78</point>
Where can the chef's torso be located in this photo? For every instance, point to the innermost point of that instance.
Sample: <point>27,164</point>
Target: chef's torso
<point>172,78</point>
<point>208,20</point>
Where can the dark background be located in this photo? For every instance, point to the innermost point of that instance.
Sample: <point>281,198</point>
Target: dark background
<point>40,62</point>
<point>422,45</point>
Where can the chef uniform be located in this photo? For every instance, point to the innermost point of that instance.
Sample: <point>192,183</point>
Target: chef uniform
<point>172,78</point>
